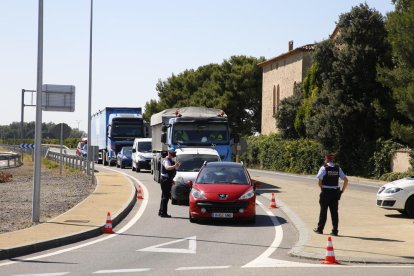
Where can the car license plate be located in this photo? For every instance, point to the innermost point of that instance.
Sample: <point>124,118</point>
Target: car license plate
<point>222,215</point>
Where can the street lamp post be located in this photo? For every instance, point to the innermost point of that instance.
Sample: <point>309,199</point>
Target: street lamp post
<point>89,155</point>
<point>38,126</point>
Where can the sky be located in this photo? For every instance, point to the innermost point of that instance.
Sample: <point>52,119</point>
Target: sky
<point>136,43</point>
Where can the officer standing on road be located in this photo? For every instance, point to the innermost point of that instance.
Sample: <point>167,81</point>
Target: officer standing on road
<point>328,180</point>
<point>168,171</point>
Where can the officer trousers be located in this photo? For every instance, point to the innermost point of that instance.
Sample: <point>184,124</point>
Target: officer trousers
<point>166,184</point>
<point>329,199</point>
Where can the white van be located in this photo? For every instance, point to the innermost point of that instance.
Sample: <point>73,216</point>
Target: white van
<point>191,160</point>
<point>141,154</point>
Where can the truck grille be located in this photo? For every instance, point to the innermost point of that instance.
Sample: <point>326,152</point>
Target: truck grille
<point>222,207</point>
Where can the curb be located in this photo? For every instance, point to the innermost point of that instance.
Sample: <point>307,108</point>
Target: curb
<point>61,241</point>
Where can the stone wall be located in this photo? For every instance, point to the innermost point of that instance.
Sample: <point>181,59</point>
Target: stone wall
<point>401,160</point>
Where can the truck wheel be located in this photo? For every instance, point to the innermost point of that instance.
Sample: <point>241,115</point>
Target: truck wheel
<point>409,206</point>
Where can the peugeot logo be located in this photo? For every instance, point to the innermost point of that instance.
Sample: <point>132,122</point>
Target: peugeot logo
<point>222,196</point>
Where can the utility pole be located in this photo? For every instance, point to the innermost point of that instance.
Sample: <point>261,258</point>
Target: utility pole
<point>89,154</point>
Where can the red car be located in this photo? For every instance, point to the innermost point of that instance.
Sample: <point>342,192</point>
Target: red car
<point>223,190</point>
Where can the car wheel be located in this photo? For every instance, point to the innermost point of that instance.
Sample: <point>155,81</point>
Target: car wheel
<point>138,168</point>
<point>117,164</point>
<point>122,166</point>
<point>192,220</point>
<point>403,212</point>
<point>409,206</point>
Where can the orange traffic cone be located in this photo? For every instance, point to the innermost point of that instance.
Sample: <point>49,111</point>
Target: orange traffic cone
<point>139,193</point>
<point>330,255</point>
<point>273,202</point>
<point>108,225</point>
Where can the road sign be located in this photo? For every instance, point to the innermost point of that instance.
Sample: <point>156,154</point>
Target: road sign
<point>58,97</point>
<point>26,146</point>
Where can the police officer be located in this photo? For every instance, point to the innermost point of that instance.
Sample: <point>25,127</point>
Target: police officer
<point>328,180</point>
<point>168,171</point>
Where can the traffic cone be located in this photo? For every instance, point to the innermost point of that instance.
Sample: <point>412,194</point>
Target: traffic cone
<point>330,255</point>
<point>273,202</point>
<point>108,225</point>
<point>139,193</point>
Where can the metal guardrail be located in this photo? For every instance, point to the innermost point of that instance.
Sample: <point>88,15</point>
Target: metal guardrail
<point>10,160</point>
<point>72,161</point>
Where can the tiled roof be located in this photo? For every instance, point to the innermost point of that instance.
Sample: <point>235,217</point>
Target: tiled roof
<point>305,48</point>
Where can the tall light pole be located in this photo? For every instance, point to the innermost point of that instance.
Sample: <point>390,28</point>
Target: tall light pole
<point>38,125</point>
<point>90,94</point>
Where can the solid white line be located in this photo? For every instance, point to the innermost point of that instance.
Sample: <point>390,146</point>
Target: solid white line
<point>136,217</point>
<point>43,274</point>
<point>203,267</point>
<point>122,270</point>
<point>263,259</point>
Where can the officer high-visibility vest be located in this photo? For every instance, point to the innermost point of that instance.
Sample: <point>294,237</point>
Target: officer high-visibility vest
<point>331,177</point>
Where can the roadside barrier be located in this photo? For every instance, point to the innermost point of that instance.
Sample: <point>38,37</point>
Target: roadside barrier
<point>10,160</point>
<point>273,202</point>
<point>108,226</point>
<point>330,255</point>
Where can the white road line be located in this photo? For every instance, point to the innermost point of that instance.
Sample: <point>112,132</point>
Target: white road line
<point>122,271</point>
<point>203,267</point>
<point>44,274</point>
<point>136,217</point>
<point>192,247</point>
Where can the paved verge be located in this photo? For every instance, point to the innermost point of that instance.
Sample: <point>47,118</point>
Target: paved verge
<point>114,193</point>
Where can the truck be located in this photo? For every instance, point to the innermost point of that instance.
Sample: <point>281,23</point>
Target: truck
<point>113,128</point>
<point>189,127</point>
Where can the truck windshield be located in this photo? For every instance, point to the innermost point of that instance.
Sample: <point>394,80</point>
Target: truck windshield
<point>200,134</point>
<point>193,162</point>
<point>127,129</point>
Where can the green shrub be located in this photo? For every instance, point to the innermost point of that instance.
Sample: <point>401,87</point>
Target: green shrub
<point>396,175</point>
<point>381,159</point>
<point>270,152</point>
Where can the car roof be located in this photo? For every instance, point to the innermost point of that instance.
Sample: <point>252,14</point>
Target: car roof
<point>224,164</point>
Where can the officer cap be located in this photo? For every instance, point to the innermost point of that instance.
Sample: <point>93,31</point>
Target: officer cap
<point>329,156</point>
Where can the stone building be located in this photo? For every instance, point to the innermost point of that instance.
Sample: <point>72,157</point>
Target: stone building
<point>280,75</point>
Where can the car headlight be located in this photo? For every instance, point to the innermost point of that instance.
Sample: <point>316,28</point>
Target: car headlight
<point>197,194</point>
<point>248,194</point>
<point>179,181</point>
<point>392,190</point>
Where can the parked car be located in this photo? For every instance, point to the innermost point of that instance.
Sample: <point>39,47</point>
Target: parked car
<point>141,154</point>
<point>398,195</point>
<point>223,190</point>
<point>124,157</point>
<point>191,160</point>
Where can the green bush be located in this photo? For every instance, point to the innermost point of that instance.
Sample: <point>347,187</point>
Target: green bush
<point>270,152</point>
<point>381,159</point>
<point>396,175</point>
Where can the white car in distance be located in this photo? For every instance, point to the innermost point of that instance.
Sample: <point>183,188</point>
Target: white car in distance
<point>398,195</point>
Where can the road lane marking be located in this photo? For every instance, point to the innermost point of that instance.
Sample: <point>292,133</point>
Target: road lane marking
<point>43,274</point>
<point>122,270</point>
<point>136,217</point>
<point>192,247</point>
<point>203,267</point>
<point>263,260</point>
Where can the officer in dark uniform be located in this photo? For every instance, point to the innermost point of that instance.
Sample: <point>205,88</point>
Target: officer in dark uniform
<point>328,180</point>
<point>168,171</point>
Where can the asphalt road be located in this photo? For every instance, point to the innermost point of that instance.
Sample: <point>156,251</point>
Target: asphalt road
<point>147,244</point>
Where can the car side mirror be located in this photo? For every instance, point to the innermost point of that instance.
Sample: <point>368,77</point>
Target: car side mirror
<point>189,183</point>
<point>256,184</point>
<point>134,150</point>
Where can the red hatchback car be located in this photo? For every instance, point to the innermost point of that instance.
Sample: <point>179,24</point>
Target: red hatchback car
<point>223,190</point>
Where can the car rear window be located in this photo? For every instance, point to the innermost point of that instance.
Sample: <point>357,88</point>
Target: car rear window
<point>193,162</point>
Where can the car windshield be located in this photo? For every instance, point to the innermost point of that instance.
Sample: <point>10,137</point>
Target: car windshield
<point>127,151</point>
<point>193,162</point>
<point>144,146</point>
<point>227,175</point>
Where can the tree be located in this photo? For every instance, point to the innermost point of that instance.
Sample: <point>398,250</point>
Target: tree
<point>234,86</point>
<point>400,75</point>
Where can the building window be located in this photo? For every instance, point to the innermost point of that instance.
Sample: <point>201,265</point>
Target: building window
<point>274,100</point>
<point>278,98</point>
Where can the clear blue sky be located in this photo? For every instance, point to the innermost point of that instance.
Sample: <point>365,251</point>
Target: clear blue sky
<point>136,43</point>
